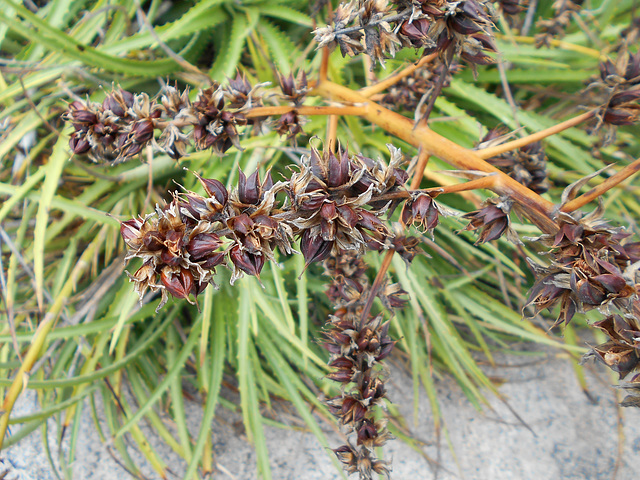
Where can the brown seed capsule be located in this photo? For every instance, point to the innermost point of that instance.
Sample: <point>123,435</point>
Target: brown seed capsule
<point>367,432</point>
<point>79,143</point>
<point>82,115</point>
<point>203,245</point>
<point>421,210</point>
<point>247,262</point>
<point>314,248</point>
<point>416,31</point>
<point>142,131</point>
<point>215,189</point>
<point>179,285</point>
<point>492,221</point>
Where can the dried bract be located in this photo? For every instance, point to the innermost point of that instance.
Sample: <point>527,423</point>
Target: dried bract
<point>492,221</point>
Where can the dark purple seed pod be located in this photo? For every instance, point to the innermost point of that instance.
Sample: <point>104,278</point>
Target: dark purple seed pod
<point>359,412</point>
<point>215,189</point>
<point>314,248</point>
<point>338,171</point>
<point>471,9</point>
<point>153,241</point>
<point>341,362</point>
<point>366,432</point>
<point>339,337</point>
<point>328,211</point>
<point>341,375</point>
<point>213,260</point>
<point>369,221</point>
<point>180,285</point>
<point>385,350</point>
<point>465,25</point>
<point>349,215</point>
<point>421,210</point>
<point>127,97</point>
<point>83,116</point>
<point>203,245</point>
<point>130,232</point>
<point>79,143</point>
<point>249,263</point>
<point>111,104</point>
<point>607,69</point>
<point>620,116</point>
<point>249,188</point>
<point>416,31</point>
<point>241,224</point>
<point>142,131</point>
<point>625,97</point>
<point>611,282</point>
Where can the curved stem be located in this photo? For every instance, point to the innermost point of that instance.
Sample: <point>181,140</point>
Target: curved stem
<point>423,159</point>
<point>539,210</point>
<point>384,84</point>
<point>534,137</point>
<point>608,184</point>
<point>332,133</point>
<point>377,283</point>
<point>324,64</point>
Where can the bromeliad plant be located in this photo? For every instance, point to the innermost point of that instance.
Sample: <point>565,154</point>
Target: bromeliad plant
<point>336,206</point>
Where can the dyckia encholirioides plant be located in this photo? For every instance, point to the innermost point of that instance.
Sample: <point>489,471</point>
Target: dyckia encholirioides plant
<point>338,204</point>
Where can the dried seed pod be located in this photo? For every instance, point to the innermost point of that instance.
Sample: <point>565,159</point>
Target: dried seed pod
<point>492,221</point>
<point>421,210</point>
<point>294,89</point>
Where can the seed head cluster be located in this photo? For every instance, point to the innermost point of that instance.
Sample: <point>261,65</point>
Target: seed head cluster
<point>620,85</point>
<point>358,346</point>
<point>591,267</point>
<point>380,28</point>
<point>526,165</point>
<point>122,125</point>
<point>333,203</point>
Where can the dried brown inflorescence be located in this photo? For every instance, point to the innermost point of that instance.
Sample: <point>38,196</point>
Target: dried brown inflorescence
<point>463,28</point>
<point>591,267</point>
<point>492,221</point>
<point>380,28</point>
<point>358,346</point>
<point>619,88</point>
<point>622,352</point>
<point>330,203</point>
<point>294,90</point>
<point>527,165</point>
<point>361,26</point>
<point>122,125</point>
<point>413,91</point>
<point>333,203</point>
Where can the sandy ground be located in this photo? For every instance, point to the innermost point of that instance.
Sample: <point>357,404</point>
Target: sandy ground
<point>572,437</point>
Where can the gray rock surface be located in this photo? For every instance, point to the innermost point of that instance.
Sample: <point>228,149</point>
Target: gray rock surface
<point>573,438</point>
